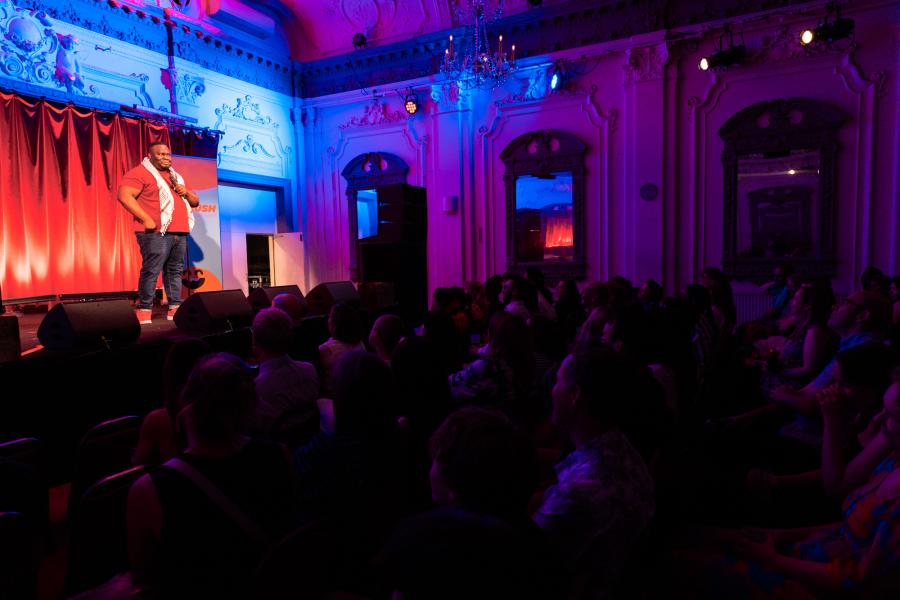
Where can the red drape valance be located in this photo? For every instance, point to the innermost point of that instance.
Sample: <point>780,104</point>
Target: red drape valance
<point>62,230</point>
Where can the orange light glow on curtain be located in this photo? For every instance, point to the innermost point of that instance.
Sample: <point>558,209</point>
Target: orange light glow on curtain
<point>61,228</point>
<point>559,233</point>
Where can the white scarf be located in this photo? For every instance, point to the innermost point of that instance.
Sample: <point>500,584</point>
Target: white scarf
<point>166,199</point>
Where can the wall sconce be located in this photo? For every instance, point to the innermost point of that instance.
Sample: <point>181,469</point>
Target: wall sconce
<point>557,76</point>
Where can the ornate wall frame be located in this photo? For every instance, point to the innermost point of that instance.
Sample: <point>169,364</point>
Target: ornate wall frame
<point>781,126</point>
<point>540,153</point>
<point>367,171</point>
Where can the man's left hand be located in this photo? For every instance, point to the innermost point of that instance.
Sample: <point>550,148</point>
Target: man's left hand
<point>180,189</point>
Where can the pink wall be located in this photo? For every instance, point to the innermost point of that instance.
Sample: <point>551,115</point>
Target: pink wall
<point>648,115</point>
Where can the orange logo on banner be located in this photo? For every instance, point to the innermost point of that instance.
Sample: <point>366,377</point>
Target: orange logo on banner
<point>198,280</point>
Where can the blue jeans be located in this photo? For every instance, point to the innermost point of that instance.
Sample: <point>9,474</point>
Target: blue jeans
<point>161,253</point>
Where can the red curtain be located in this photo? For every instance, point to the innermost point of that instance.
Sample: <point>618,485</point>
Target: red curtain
<point>61,228</point>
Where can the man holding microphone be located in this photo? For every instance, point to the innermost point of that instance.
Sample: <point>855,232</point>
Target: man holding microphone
<point>155,194</point>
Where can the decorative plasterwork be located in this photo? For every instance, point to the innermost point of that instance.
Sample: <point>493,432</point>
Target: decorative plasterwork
<point>257,134</point>
<point>189,88</point>
<point>646,64</point>
<point>32,52</point>
<point>248,146</point>
<point>376,114</point>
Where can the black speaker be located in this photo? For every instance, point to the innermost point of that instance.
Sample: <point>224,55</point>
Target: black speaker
<point>214,311</point>
<point>262,297</point>
<point>321,298</point>
<point>10,344</point>
<point>375,295</point>
<point>402,213</point>
<point>89,325</point>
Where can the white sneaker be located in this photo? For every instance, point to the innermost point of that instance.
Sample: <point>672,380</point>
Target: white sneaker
<point>144,316</point>
<point>170,315</point>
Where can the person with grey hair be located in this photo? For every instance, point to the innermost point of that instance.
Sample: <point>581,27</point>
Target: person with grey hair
<point>287,388</point>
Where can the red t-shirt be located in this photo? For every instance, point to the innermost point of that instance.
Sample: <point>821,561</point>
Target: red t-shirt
<point>141,179</point>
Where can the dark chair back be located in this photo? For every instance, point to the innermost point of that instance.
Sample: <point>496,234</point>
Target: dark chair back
<point>98,544</point>
<point>301,565</point>
<point>18,558</point>
<point>105,449</point>
<point>23,482</point>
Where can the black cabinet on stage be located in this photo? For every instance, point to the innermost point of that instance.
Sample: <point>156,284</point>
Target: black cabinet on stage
<point>396,253</point>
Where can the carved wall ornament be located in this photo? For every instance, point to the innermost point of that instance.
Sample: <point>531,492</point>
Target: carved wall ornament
<point>247,145</point>
<point>190,87</point>
<point>246,109</point>
<point>447,94</point>
<point>646,64</point>
<point>31,51</point>
<point>376,114</point>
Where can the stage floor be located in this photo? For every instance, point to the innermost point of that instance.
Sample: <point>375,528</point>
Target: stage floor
<point>161,328</point>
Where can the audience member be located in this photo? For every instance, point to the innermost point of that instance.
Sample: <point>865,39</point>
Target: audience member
<point>535,277</point>
<point>450,553</point>
<point>504,375</point>
<point>346,331</point>
<point>569,310</point>
<point>874,280</point>
<point>291,305</point>
<point>287,388</point>
<point>387,331</point>
<point>199,524</point>
<point>894,291</point>
<point>722,301</point>
<point>518,296</point>
<point>604,499</point>
<point>158,441</point>
<point>650,295</point>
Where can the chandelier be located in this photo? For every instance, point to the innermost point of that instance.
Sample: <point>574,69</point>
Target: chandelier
<point>481,65</point>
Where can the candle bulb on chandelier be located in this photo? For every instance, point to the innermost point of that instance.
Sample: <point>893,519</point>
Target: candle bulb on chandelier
<point>513,57</point>
<point>450,50</point>
<point>447,57</point>
<point>500,46</point>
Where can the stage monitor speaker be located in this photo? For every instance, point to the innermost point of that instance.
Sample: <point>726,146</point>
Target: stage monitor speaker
<point>375,295</point>
<point>214,312</point>
<point>10,344</point>
<point>95,324</point>
<point>325,295</point>
<point>262,297</point>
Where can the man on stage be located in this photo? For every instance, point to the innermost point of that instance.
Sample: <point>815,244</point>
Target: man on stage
<point>161,204</point>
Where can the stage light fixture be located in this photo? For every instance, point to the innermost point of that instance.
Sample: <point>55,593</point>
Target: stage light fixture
<point>830,29</point>
<point>722,57</point>
<point>411,104</point>
<point>557,76</point>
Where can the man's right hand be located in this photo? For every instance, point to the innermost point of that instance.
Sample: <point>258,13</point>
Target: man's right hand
<point>149,224</point>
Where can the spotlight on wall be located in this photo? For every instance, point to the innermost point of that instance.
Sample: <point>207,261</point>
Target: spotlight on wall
<point>359,41</point>
<point>722,57</point>
<point>832,28</point>
<point>411,104</point>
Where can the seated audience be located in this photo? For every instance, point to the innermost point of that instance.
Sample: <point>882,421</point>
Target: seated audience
<point>198,524</point>
<point>858,556</point>
<point>482,463</point>
<point>519,297</point>
<point>535,277</point>
<point>158,441</point>
<point>604,499</point>
<point>287,389</point>
<point>810,345</point>
<point>650,295</point>
<point>450,554</point>
<point>569,310</point>
<point>504,375</point>
<point>346,331</point>
<point>722,299</point>
<point>387,331</point>
<point>339,470</point>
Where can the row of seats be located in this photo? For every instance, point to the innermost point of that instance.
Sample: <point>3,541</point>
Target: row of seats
<point>102,476</point>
